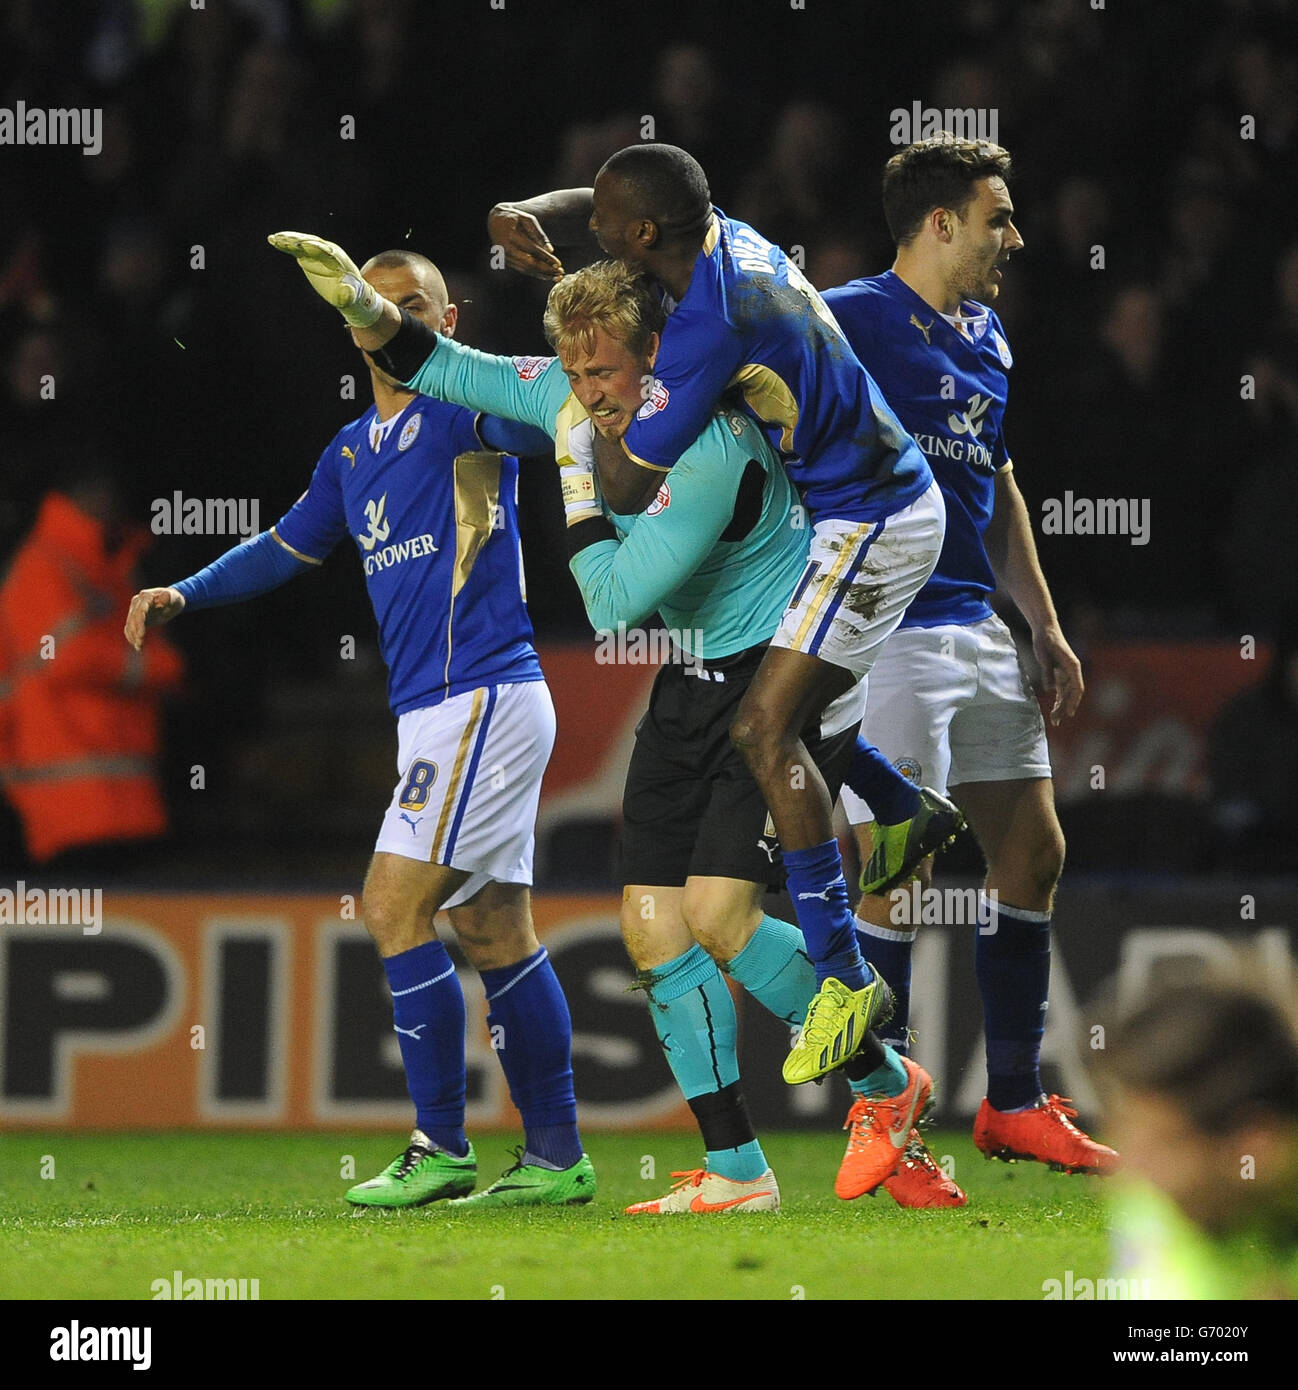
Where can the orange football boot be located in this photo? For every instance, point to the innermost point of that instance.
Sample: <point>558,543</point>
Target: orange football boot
<point>919,1182</point>
<point>879,1130</point>
<point>1045,1134</point>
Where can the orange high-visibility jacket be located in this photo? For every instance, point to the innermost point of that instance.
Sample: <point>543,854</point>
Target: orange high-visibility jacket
<point>79,708</point>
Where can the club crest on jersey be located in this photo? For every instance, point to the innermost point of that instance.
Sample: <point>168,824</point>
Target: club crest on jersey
<point>1003,348</point>
<point>970,421</point>
<point>379,529</point>
<point>409,433</point>
<point>655,401</point>
<point>662,500</point>
<point>529,368</point>
<point>909,769</point>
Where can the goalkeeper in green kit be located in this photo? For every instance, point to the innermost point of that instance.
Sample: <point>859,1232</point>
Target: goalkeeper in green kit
<point>715,548</point>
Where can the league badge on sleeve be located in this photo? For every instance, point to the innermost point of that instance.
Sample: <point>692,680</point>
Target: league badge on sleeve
<point>655,400</point>
<point>529,368</point>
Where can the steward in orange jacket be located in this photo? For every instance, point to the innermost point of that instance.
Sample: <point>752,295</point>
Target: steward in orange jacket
<point>79,709</point>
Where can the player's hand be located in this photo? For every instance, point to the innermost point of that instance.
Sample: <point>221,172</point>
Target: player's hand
<point>151,608</point>
<point>1061,672</point>
<point>524,242</point>
<point>333,275</point>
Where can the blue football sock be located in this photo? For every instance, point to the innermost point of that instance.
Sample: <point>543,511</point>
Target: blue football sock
<point>1012,962</point>
<point>531,1031</point>
<point>776,970</point>
<point>884,790</point>
<point>819,894</point>
<point>694,1015</point>
<point>889,1079</point>
<point>888,949</point>
<point>428,1015</point>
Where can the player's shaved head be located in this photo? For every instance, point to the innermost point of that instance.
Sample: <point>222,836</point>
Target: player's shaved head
<point>936,173</point>
<point>664,185</point>
<point>428,275</point>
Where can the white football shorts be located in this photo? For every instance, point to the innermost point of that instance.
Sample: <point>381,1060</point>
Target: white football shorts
<point>471,772</point>
<point>952,704</point>
<point>860,576</point>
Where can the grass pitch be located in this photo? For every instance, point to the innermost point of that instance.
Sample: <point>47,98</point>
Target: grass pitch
<point>123,1210</point>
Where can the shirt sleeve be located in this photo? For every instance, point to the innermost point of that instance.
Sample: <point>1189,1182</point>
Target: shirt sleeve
<point>512,437</point>
<point>625,582</point>
<point>316,522</point>
<point>847,304</point>
<point>526,389</point>
<point>699,354</point>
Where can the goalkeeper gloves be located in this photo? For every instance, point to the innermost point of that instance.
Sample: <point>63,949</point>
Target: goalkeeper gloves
<point>333,275</point>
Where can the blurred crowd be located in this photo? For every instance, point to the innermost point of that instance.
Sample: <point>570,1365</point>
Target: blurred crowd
<point>146,328</point>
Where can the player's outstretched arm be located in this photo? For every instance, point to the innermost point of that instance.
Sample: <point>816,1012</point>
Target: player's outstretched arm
<point>336,278</point>
<point>1013,554</point>
<point>528,232</point>
<point>151,608</point>
<point>253,568</point>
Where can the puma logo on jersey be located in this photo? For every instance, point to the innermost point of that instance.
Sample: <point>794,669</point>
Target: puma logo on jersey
<point>923,327</point>
<point>970,421</point>
<point>349,455</point>
<point>379,529</point>
<point>411,823</point>
<point>770,849</point>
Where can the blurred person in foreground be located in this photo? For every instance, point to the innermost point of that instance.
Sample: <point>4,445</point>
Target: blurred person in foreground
<point>1203,1096</point>
<point>79,717</point>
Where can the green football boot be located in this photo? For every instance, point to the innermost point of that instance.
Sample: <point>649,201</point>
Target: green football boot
<point>423,1174</point>
<point>838,1020</point>
<point>900,849</point>
<point>528,1185</point>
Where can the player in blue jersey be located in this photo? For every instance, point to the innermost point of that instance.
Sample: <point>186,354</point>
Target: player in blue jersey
<point>743,316</point>
<point>713,551</point>
<point>430,503</point>
<point>948,698</point>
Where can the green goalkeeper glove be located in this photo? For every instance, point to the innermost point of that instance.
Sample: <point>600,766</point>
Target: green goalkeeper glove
<point>333,275</point>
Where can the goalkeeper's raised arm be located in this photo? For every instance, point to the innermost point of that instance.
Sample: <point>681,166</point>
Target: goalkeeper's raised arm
<point>407,350</point>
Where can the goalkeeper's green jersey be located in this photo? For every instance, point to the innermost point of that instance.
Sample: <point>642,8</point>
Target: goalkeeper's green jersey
<point>719,550</point>
<point>1162,1254</point>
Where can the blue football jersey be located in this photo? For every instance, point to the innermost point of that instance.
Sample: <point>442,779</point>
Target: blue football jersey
<point>435,520</point>
<point>948,388</point>
<point>750,319</point>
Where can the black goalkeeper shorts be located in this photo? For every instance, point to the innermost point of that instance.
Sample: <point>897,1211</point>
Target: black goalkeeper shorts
<point>691,806</point>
